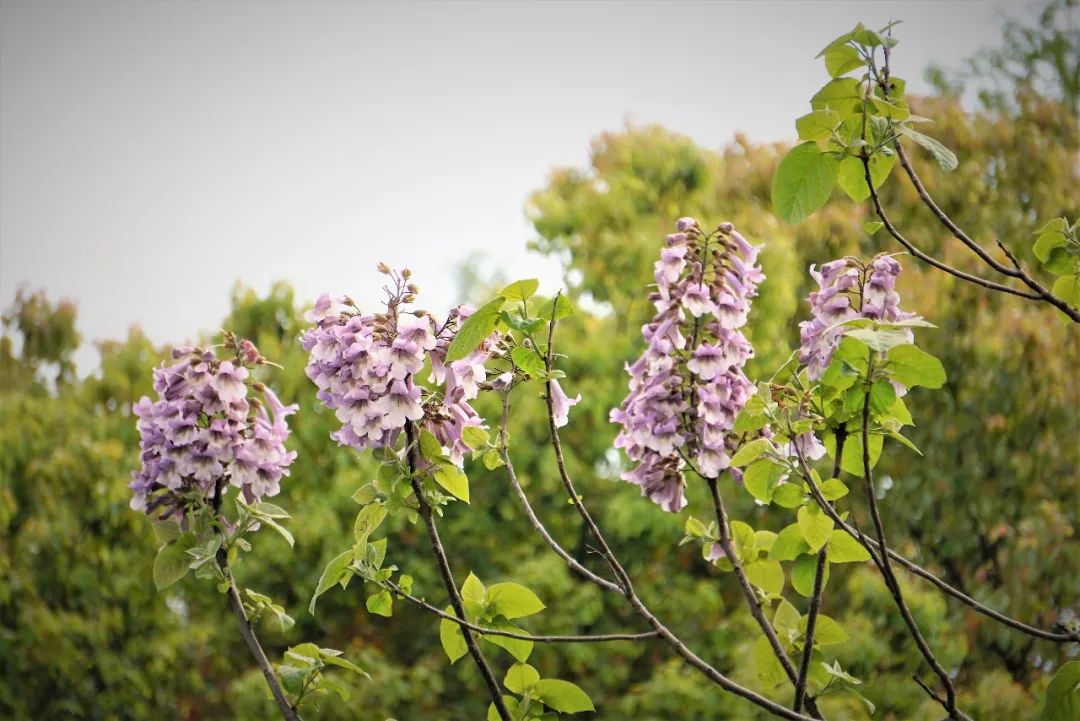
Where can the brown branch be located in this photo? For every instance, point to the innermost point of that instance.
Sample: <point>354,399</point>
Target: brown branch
<point>248,633</point>
<point>815,598</point>
<point>887,572</point>
<point>572,562</point>
<point>591,638</point>
<point>874,550</point>
<point>623,578</point>
<point>448,575</point>
<point>752,600</point>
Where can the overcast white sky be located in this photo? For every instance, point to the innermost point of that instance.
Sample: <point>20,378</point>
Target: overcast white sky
<point>152,153</point>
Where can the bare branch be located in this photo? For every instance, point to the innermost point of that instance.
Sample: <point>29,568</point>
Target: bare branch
<point>448,575</point>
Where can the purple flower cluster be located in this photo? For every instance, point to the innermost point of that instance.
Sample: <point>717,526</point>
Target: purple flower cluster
<point>847,290</point>
<point>366,367</point>
<point>689,385</point>
<point>205,430</point>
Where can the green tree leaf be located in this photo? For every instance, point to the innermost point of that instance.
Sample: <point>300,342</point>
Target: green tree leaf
<point>911,366</point>
<point>528,360</point>
<point>816,527</point>
<point>520,290</point>
<point>827,632</point>
<point>170,565</point>
<point>513,600</point>
<point>562,696</point>
<point>1062,701</point>
<point>802,575</point>
<point>475,437</point>
<point>766,574</point>
<point>761,477</point>
<point>519,677</point>
<point>817,124</point>
<point>560,305</point>
<point>769,670</point>
<point>474,330</point>
<point>473,590</point>
<point>331,575</point>
<point>843,548</point>
<point>381,604</point>
<point>750,452</point>
<point>1067,288</point>
<point>367,520</point>
<point>788,495</point>
<point>851,176</point>
<point>451,638</point>
<point>803,182</point>
<point>789,544</point>
<point>842,59</point>
<point>944,157</point>
<point>520,649</point>
<point>453,479</point>
<point>842,95</point>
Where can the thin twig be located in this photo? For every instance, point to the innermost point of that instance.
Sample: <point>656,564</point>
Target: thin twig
<point>751,598</point>
<point>873,549</point>
<point>636,603</point>
<point>886,567</point>
<point>815,597</point>
<point>572,562</point>
<point>589,638</point>
<point>248,633</point>
<point>448,574</point>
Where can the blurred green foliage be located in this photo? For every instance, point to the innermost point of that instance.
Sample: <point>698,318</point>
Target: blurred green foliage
<point>993,506</point>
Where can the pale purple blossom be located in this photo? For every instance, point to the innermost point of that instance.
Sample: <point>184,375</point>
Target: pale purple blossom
<point>201,435</point>
<point>684,396</point>
<point>561,403</point>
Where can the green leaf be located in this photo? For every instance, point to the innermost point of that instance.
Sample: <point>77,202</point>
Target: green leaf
<point>473,590</point>
<point>167,531</point>
<point>766,574</point>
<point>817,124</point>
<point>842,59</point>
<point>882,397</point>
<point>816,527</point>
<point>761,477</point>
<point>528,360</point>
<point>911,366</point>
<point>802,575</point>
<point>944,157</point>
<point>171,564</point>
<point>1068,289</point>
<point>451,638</point>
<point>1062,701</point>
<point>833,488</point>
<point>475,437</point>
<point>803,182</point>
<point>331,575</point>
<point>873,227</point>
<point>518,648</point>
<point>750,452</point>
<point>880,339</point>
<point>367,520</point>
<point>560,305</point>
<point>381,604</point>
<point>519,677</point>
<point>744,539</point>
<point>827,632</point>
<point>786,619</point>
<point>843,548</point>
<point>453,479</point>
<point>520,290</point>
<point>789,544</point>
<point>695,528</point>
<point>269,510</point>
<point>512,706</point>
<point>430,448</point>
<point>851,175</point>
<point>788,495</point>
<point>492,459</point>
<point>513,600</point>
<point>474,330</point>
<point>562,696</point>
<point>842,95</point>
<point>769,670</point>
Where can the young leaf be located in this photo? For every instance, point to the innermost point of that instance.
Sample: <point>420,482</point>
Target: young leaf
<point>842,59</point>
<point>841,94</point>
<point>475,437</point>
<point>331,575</point>
<point>473,590</point>
<point>761,478</point>
<point>562,696</point>
<point>528,360</point>
<point>816,527</point>
<point>911,366</point>
<point>170,565</point>
<point>1063,694</point>
<point>474,330</point>
<point>381,604</point>
<point>520,290</point>
<point>513,600</point>
<point>843,548</point>
<point>451,638</point>
<point>851,175</point>
<point>803,182</point>
<point>519,677</point>
<point>453,479</point>
<point>367,520</point>
<point>430,448</point>
<point>944,157</point>
<point>520,649</point>
<point>803,573</point>
<point>766,574</point>
<point>1067,287</point>
<point>817,124</point>
<point>750,452</point>
<point>788,495</point>
<point>827,632</point>
<point>769,670</point>
<point>560,305</point>
<point>789,544</point>
<point>833,488</point>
